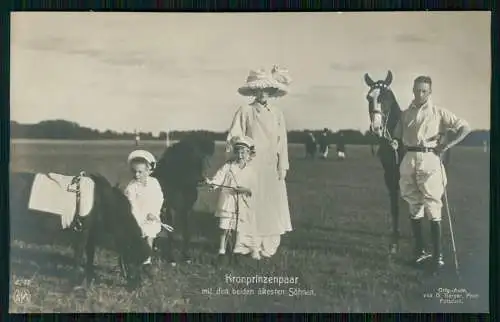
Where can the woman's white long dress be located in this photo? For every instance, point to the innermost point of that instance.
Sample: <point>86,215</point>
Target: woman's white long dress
<point>266,126</point>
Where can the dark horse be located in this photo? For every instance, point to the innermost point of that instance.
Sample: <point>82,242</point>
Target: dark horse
<point>385,113</point>
<point>110,219</point>
<point>179,171</point>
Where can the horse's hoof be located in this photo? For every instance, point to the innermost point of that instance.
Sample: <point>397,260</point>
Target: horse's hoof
<point>80,290</point>
<point>132,286</point>
<point>393,249</point>
<point>78,287</point>
<point>234,259</point>
<point>220,258</point>
<point>188,261</point>
<point>173,264</point>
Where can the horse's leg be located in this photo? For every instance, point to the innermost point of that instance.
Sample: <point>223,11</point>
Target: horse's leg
<point>186,234</point>
<point>79,242</point>
<point>166,244</point>
<point>90,255</point>
<point>131,273</point>
<point>394,197</point>
<point>391,176</point>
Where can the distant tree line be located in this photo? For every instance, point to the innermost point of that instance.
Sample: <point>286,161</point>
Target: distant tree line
<point>65,130</point>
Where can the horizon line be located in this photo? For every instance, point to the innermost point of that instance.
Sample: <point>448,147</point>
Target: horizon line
<point>199,129</point>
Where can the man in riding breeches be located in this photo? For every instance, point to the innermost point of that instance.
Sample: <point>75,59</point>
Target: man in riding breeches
<point>422,175</point>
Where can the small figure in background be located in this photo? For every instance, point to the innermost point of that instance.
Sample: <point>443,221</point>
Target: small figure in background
<point>311,146</point>
<point>341,146</point>
<point>137,138</point>
<point>324,143</point>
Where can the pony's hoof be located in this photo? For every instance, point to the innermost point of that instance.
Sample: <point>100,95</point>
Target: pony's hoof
<point>78,288</point>
<point>235,259</point>
<point>148,270</point>
<point>221,260</point>
<point>393,249</point>
<point>132,286</point>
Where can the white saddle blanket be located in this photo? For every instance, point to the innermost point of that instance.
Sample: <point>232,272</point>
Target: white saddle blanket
<point>54,193</point>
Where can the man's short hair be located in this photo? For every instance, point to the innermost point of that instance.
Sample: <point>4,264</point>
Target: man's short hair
<point>423,79</point>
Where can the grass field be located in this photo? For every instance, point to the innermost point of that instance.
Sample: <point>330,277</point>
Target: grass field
<point>338,247</point>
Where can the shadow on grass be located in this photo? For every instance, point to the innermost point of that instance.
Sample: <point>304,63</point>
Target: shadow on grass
<point>26,263</point>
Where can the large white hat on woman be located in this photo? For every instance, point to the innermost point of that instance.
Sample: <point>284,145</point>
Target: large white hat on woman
<point>257,80</point>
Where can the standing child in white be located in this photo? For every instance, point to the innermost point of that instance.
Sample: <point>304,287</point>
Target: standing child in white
<point>235,206</point>
<point>145,195</point>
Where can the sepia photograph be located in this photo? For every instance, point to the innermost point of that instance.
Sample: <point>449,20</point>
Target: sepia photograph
<point>250,162</point>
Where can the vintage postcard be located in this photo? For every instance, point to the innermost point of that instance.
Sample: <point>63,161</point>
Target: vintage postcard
<point>250,162</point>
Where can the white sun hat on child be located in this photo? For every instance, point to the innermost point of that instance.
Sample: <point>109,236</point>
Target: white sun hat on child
<point>142,154</point>
<point>243,141</point>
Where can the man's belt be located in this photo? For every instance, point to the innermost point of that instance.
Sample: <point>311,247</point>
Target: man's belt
<point>419,149</point>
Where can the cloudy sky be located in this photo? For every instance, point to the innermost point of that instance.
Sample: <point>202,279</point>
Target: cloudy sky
<point>167,71</point>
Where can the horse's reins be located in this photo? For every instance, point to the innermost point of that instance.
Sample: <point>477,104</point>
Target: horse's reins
<point>237,210</point>
<point>387,135</point>
<point>167,227</point>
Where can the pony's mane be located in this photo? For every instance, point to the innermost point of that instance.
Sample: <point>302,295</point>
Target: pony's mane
<point>183,161</point>
<point>395,111</point>
<point>385,150</point>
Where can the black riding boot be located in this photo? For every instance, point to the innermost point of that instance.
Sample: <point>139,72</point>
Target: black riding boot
<point>420,253</point>
<point>437,255</point>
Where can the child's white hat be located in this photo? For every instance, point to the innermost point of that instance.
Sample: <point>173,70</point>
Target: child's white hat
<point>243,141</point>
<point>142,154</point>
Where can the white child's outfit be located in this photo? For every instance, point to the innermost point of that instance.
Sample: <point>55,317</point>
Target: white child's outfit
<point>229,203</point>
<point>146,199</point>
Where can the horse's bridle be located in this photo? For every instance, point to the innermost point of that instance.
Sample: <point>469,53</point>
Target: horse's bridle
<point>386,135</point>
<point>385,117</point>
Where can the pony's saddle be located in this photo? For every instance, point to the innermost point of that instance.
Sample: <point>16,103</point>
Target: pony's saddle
<point>62,195</point>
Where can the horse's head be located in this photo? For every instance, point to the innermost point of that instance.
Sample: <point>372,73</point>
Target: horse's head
<point>118,222</point>
<point>381,101</point>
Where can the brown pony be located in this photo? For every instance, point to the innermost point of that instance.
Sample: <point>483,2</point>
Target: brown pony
<point>110,219</point>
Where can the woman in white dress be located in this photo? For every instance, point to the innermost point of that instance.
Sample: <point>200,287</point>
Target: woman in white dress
<point>265,124</point>
<point>237,182</point>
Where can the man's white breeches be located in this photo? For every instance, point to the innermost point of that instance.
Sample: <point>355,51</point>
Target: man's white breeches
<point>422,183</point>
